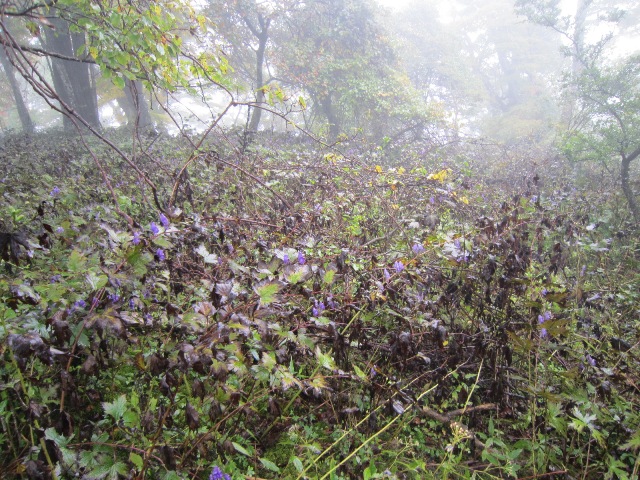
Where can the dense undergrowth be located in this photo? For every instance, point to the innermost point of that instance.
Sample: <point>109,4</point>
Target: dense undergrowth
<point>309,313</point>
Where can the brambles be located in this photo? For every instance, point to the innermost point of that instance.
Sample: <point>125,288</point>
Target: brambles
<point>247,337</point>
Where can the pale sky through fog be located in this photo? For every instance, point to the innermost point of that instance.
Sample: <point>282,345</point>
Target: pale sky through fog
<point>394,4</point>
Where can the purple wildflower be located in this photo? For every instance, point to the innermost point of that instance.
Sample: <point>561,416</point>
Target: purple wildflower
<point>217,474</point>
<point>59,230</point>
<point>164,220</point>
<point>55,279</point>
<point>399,266</point>
<point>417,248</point>
<point>331,302</point>
<point>114,297</point>
<point>136,238</point>
<point>94,302</point>
<point>432,200</point>
<point>79,304</point>
<point>318,308</point>
<point>590,360</point>
<point>132,304</point>
<point>464,257</point>
<point>285,259</point>
<point>544,292</point>
<point>160,254</point>
<point>301,259</point>
<point>387,275</point>
<point>542,319</point>
<point>55,192</point>
<point>456,243</point>
<point>154,228</point>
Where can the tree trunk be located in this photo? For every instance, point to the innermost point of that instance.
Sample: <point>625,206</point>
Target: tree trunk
<point>83,84</point>
<point>23,111</point>
<point>332,118</point>
<point>577,66</point>
<point>72,80</point>
<point>137,109</point>
<point>626,184</point>
<point>262,35</point>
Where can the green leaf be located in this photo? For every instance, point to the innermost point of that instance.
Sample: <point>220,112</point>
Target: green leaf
<point>325,360</point>
<point>96,282</point>
<point>295,277</point>
<point>171,475</point>
<point>76,261</point>
<point>369,472</point>
<point>269,360</point>
<point>162,242</point>
<point>118,81</point>
<point>328,276</point>
<point>633,443</point>
<point>131,419</point>
<point>55,437</point>
<point>269,465</point>
<point>361,375</point>
<point>139,261</point>
<point>136,460</point>
<point>297,463</point>
<point>208,257</point>
<point>268,292</point>
<point>241,449</point>
<point>117,408</point>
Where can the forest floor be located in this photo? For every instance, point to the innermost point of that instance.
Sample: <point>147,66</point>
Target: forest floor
<point>359,312</point>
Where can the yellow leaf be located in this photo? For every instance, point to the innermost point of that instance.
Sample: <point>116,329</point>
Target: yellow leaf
<point>465,200</point>
<point>395,206</point>
<point>440,176</point>
<point>140,362</point>
<point>378,169</point>
<point>401,170</point>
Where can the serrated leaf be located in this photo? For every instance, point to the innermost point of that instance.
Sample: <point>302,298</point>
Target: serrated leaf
<point>96,282</point>
<point>325,360</point>
<point>328,277</point>
<point>268,292</point>
<point>55,437</point>
<point>210,258</point>
<point>139,261</point>
<point>295,277</point>
<point>76,261</point>
<point>269,360</point>
<point>633,443</point>
<point>269,465</point>
<point>117,408</point>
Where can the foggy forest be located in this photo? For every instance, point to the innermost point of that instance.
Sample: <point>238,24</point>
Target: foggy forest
<point>319,239</point>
